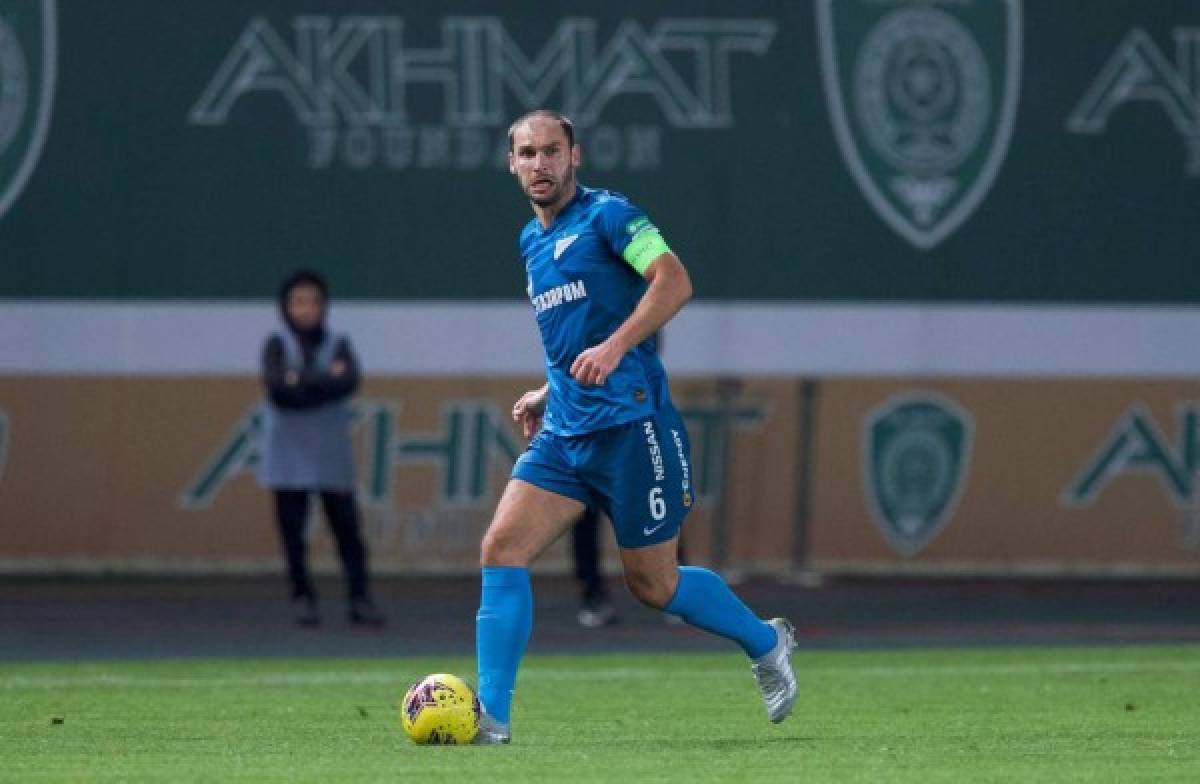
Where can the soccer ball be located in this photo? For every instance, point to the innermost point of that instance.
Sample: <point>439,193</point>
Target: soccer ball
<point>440,709</point>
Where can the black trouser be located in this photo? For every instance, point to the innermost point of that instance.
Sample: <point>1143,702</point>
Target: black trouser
<point>585,544</point>
<point>291,511</point>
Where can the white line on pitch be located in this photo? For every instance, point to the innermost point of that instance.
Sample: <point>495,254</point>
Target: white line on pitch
<point>534,673</point>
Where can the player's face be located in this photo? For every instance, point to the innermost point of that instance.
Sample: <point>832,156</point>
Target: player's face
<point>305,306</point>
<point>542,161</point>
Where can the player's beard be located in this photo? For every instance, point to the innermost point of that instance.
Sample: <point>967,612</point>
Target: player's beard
<point>555,195</point>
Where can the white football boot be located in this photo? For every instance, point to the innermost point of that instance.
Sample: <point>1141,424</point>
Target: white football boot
<point>773,671</point>
<point>491,732</point>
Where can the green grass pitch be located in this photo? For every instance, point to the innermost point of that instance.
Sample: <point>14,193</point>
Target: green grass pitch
<point>1128,714</point>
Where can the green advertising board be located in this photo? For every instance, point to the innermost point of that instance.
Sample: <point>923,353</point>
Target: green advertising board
<point>840,150</point>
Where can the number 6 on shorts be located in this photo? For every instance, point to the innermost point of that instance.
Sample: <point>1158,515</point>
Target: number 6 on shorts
<point>658,507</point>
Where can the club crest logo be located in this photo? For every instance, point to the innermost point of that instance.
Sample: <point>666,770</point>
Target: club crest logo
<point>922,95</point>
<point>916,450</point>
<point>28,43</point>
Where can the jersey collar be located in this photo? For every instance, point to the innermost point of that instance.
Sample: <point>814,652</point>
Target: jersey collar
<point>568,208</point>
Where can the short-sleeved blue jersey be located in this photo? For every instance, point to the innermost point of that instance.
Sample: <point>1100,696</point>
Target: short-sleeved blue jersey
<point>582,290</point>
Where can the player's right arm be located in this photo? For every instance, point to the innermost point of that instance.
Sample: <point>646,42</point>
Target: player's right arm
<point>529,409</point>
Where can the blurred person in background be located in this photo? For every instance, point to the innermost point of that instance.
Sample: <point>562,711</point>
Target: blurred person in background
<point>595,607</point>
<point>309,374</point>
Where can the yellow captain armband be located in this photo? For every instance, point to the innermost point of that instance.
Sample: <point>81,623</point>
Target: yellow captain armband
<point>646,246</point>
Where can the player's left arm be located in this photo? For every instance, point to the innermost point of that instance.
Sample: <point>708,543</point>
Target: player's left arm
<point>670,288</point>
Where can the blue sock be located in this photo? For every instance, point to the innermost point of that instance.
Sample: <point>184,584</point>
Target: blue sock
<point>704,600</point>
<point>502,628</point>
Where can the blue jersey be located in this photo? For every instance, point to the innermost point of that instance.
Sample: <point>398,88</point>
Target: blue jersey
<point>584,277</point>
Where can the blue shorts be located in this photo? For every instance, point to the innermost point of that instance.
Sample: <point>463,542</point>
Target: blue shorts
<point>638,473</point>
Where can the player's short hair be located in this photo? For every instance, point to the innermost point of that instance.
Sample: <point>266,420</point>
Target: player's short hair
<point>563,121</point>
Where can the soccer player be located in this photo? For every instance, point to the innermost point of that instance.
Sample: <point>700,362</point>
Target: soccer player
<point>602,281</point>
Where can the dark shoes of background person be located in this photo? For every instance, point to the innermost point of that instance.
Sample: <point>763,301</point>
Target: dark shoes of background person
<point>596,614</point>
<point>304,611</point>
<point>360,612</point>
<point>363,613</point>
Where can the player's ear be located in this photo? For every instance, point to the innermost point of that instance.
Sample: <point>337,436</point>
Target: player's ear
<point>512,163</point>
<point>576,156</point>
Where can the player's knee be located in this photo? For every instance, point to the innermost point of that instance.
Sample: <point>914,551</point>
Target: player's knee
<point>499,548</point>
<point>651,589</point>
